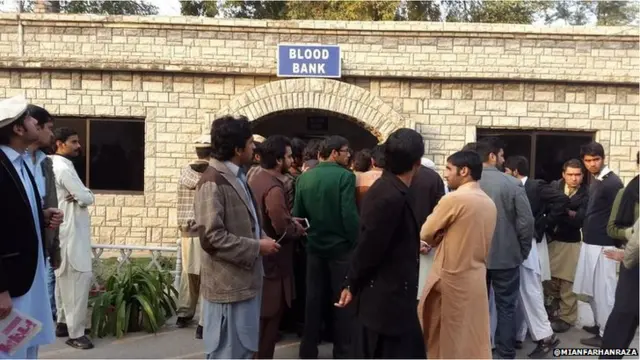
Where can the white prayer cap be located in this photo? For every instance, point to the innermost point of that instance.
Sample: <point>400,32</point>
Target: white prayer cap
<point>428,163</point>
<point>203,141</point>
<point>11,109</point>
<point>258,138</point>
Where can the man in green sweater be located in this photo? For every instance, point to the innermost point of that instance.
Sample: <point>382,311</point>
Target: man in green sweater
<point>325,195</point>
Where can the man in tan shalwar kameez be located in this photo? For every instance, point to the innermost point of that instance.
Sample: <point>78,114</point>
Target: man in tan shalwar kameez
<point>190,242</point>
<point>453,308</point>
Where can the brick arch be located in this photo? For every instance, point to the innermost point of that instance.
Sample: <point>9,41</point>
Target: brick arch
<point>368,110</point>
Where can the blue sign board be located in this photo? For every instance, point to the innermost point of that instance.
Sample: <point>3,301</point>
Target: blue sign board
<point>321,61</point>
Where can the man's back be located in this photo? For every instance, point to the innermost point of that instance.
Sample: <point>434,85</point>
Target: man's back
<point>514,226</point>
<point>325,195</point>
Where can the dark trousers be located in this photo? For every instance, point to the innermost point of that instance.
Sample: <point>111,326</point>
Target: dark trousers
<point>325,277</point>
<point>370,344</point>
<point>51,285</point>
<point>623,322</point>
<point>269,332</point>
<point>506,284</point>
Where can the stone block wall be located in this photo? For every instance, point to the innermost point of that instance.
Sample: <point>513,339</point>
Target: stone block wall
<point>445,80</point>
<point>177,108</point>
<point>388,49</point>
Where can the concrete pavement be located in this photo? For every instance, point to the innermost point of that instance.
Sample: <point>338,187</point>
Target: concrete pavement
<point>174,343</point>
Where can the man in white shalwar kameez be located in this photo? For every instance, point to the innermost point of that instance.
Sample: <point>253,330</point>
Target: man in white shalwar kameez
<point>546,203</point>
<point>596,275</point>
<point>75,272</point>
<point>34,302</point>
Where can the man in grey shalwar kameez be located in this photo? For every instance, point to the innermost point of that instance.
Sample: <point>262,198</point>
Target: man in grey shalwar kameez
<point>233,243</point>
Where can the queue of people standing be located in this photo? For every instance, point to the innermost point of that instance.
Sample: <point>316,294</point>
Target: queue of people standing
<point>507,254</point>
<point>47,274</point>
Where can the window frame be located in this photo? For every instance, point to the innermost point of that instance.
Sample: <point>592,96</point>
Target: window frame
<point>533,137</point>
<point>87,149</point>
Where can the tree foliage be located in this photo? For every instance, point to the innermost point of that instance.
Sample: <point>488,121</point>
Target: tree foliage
<point>199,8</point>
<point>605,13</point>
<point>125,7</point>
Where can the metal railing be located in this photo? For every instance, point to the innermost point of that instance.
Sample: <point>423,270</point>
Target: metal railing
<point>127,250</point>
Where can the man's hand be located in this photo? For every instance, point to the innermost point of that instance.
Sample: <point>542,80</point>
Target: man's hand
<point>70,198</point>
<point>424,248</point>
<point>571,213</point>
<point>268,246</point>
<point>299,229</point>
<point>5,305</point>
<point>53,217</point>
<point>345,298</point>
<point>616,255</point>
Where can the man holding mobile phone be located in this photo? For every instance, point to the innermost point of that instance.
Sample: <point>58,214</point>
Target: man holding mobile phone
<point>268,187</point>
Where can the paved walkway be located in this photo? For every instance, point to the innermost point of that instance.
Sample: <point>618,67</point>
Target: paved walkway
<point>174,343</point>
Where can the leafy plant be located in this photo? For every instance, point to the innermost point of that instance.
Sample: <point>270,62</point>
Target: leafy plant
<point>132,300</point>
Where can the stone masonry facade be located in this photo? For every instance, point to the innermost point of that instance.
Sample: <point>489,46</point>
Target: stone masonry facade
<point>444,80</point>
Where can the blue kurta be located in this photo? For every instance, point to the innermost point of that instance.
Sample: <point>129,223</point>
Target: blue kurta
<point>35,302</point>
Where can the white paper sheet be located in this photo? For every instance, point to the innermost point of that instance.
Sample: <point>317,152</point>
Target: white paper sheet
<point>16,330</point>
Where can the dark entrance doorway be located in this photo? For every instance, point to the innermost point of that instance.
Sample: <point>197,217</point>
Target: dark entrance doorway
<point>547,151</point>
<point>308,124</point>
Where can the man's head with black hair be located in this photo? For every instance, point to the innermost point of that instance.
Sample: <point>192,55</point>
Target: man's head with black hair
<point>297,151</point>
<point>517,166</point>
<point>490,150</point>
<point>67,142</point>
<point>362,161</point>
<point>335,148</point>
<point>462,167</point>
<point>377,156</point>
<point>592,155</point>
<point>403,150</point>
<point>22,132</point>
<point>232,140</point>
<point>276,154</point>
<point>45,127</point>
<point>311,150</point>
<point>572,173</point>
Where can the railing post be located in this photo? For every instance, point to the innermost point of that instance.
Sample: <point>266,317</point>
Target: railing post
<point>176,279</point>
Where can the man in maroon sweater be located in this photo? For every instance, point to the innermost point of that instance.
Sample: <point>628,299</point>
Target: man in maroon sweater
<point>268,187</point>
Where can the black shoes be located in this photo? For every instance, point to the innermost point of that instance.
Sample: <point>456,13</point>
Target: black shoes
<point>199,332</point>
<point>183,322</point>
<point>595,341</point>
<point>593,330</point>
<point>560,326</point>
<point>82,343</point>
<point>544,347</point>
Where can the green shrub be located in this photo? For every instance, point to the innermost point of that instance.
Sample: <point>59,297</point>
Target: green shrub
<point>132,300</point>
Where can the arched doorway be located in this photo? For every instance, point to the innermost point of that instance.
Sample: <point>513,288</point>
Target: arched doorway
<point>309,108</point>
<point>313,123</point>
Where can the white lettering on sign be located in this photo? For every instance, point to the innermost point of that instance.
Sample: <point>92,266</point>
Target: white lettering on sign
<point>306,69</point>
<point>308,54</point>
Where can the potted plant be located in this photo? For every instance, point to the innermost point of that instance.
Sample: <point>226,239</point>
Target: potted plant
<point>133,300</point>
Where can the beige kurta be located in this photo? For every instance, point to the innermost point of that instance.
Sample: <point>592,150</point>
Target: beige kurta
<point>453,308</point>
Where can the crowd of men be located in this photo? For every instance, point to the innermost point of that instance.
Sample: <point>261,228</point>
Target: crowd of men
<point>501,256</point>
<point>371,248</point>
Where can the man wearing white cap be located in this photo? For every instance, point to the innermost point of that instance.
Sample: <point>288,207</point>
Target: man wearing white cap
<point>190,243</point>
<point>23,273</point>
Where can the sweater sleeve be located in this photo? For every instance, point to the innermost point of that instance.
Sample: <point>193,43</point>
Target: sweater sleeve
<point>614,231</point>
<point>349,207</point>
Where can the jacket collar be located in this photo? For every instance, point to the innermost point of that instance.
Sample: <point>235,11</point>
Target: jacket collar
<point>230,173</point>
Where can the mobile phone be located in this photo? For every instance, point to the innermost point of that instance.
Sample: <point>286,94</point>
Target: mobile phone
<point>303,221</point>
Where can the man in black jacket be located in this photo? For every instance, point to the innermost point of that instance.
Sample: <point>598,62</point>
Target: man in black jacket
<point>23,273</point>
<point>383,275</point>
<point>596,275</point>
<point>545,202</point>
<point>564,247</point>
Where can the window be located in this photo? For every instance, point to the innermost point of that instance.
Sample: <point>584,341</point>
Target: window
<point>112,157</point>
<point>546,151</point>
